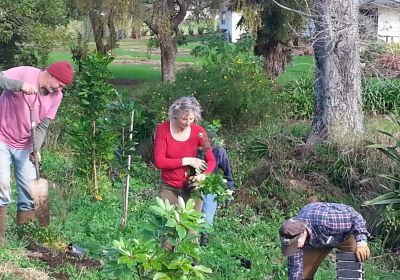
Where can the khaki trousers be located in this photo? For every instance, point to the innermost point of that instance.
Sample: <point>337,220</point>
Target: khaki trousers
<point>171,193</point>
<point>314,256</point>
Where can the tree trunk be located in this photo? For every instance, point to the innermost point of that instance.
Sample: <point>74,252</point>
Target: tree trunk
<point>98,30</point>
<point>168,49</point>
<point>337,105</point>
<point>276,58</point>
<point>112,36</point>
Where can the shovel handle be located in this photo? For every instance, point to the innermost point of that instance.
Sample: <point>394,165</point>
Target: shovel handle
<point>34,146</point>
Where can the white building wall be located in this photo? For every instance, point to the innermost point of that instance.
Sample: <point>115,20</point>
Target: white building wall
<point>389,24</point>
<point>236,31</point>
<point>228,21</point>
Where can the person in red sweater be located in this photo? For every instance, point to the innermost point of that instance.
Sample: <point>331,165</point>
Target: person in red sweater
<point>175,147</point>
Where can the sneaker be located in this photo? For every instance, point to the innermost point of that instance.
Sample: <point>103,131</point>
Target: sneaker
<point>203,239</point>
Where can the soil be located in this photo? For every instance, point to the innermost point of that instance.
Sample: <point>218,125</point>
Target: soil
<point>56,258</point>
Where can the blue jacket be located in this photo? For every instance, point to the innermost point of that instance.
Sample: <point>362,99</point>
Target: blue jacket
<point>222,162</point>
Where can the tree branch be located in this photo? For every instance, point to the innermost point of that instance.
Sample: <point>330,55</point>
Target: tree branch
<point>176,20</point>
<point>151,25</point>
<point>292,10</point>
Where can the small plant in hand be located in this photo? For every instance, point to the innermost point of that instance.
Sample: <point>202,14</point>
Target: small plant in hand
<point>214,183</point>
<point>148,259</point>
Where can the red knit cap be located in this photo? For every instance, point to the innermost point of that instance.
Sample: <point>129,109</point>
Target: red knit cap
<point>62,71</point>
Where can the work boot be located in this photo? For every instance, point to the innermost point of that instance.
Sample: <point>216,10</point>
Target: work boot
<point>3,222</point>
<point>25,217</point>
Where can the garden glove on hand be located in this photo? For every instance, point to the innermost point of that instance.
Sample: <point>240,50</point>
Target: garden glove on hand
<point>362,251</point>
<point>199,165</point>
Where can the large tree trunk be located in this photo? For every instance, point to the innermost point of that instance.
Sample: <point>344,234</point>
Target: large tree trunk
<point>168,49</point>
<point>338,107</point>
<point>276,58</point>
<point>98,30</point>
<point>165,20</point>
<point>100,22</point>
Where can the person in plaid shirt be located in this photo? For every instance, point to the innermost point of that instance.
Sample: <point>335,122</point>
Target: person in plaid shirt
<point>318,228</point>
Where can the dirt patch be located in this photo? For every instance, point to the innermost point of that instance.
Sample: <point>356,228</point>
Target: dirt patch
<point>55,259</point>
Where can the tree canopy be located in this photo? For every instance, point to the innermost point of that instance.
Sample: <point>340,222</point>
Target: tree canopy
<point>27,30</point>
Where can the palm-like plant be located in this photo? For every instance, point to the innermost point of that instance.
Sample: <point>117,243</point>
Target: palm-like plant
<point>393,152</point>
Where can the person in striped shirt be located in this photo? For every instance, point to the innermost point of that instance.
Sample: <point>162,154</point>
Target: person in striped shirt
<point>319,227</point>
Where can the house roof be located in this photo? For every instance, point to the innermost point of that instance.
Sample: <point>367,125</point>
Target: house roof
<point>379,3</point>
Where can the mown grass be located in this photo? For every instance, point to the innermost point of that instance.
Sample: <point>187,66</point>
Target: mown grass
<point>300,65</point>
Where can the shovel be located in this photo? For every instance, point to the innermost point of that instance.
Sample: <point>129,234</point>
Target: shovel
<point>39,187</point>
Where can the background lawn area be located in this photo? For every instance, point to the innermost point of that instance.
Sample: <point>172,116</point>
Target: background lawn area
<point>300,66</point>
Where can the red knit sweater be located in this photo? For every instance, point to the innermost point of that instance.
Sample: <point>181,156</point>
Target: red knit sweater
<point>168,153</point>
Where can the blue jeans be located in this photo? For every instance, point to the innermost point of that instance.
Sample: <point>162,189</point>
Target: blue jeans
<point>24,172</point>
<point>209,207</point>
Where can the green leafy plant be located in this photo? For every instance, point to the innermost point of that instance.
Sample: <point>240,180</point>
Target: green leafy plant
<point>387,223</point>
<point>393,152</point>
<point>381,97</point>
<point>79,49</point>
<point>230,86</point>
<point>299,97</point>
<point>214,183</point>
<point>152,43</point>
<point>90,130</point>
<point>175,224</point>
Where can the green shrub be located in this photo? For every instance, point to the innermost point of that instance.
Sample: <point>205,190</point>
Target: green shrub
<point>388,223</point>
<point>90,131</point>
<point>230,86</point>
<point>298,97</point>
<point>381,97</point>
<point>145,257</point>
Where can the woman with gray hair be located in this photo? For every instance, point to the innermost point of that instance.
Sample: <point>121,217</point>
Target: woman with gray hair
<point>175,147</point>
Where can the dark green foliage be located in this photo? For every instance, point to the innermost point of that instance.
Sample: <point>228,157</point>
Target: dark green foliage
<point>79,49</point>
<point>299,98</point>
<point>91,132</point>
<point>230,86</point>
<point>27,30</point>
<point>387,224</point>
<point>143,256</point>
<point>277,31</point>
<point>381,97</point>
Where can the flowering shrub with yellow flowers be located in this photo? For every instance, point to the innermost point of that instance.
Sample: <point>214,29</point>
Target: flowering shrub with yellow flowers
<point>230,85</point>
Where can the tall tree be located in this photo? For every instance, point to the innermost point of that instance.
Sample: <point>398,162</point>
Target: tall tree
<point>276,27</point>
<point>163,17</point>
<point>103,15</point>
<point>337,107</point>
<point>28,30</point>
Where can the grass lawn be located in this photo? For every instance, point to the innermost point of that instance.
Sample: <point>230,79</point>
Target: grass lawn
<point>301,65</point>
<point>136,50</point>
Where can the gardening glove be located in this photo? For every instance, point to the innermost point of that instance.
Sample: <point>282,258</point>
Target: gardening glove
<point>33,155</point>
<point>199,165</point>
<point>362,251</point>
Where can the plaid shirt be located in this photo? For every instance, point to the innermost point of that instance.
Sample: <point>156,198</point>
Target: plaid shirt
<point>328,225</point>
